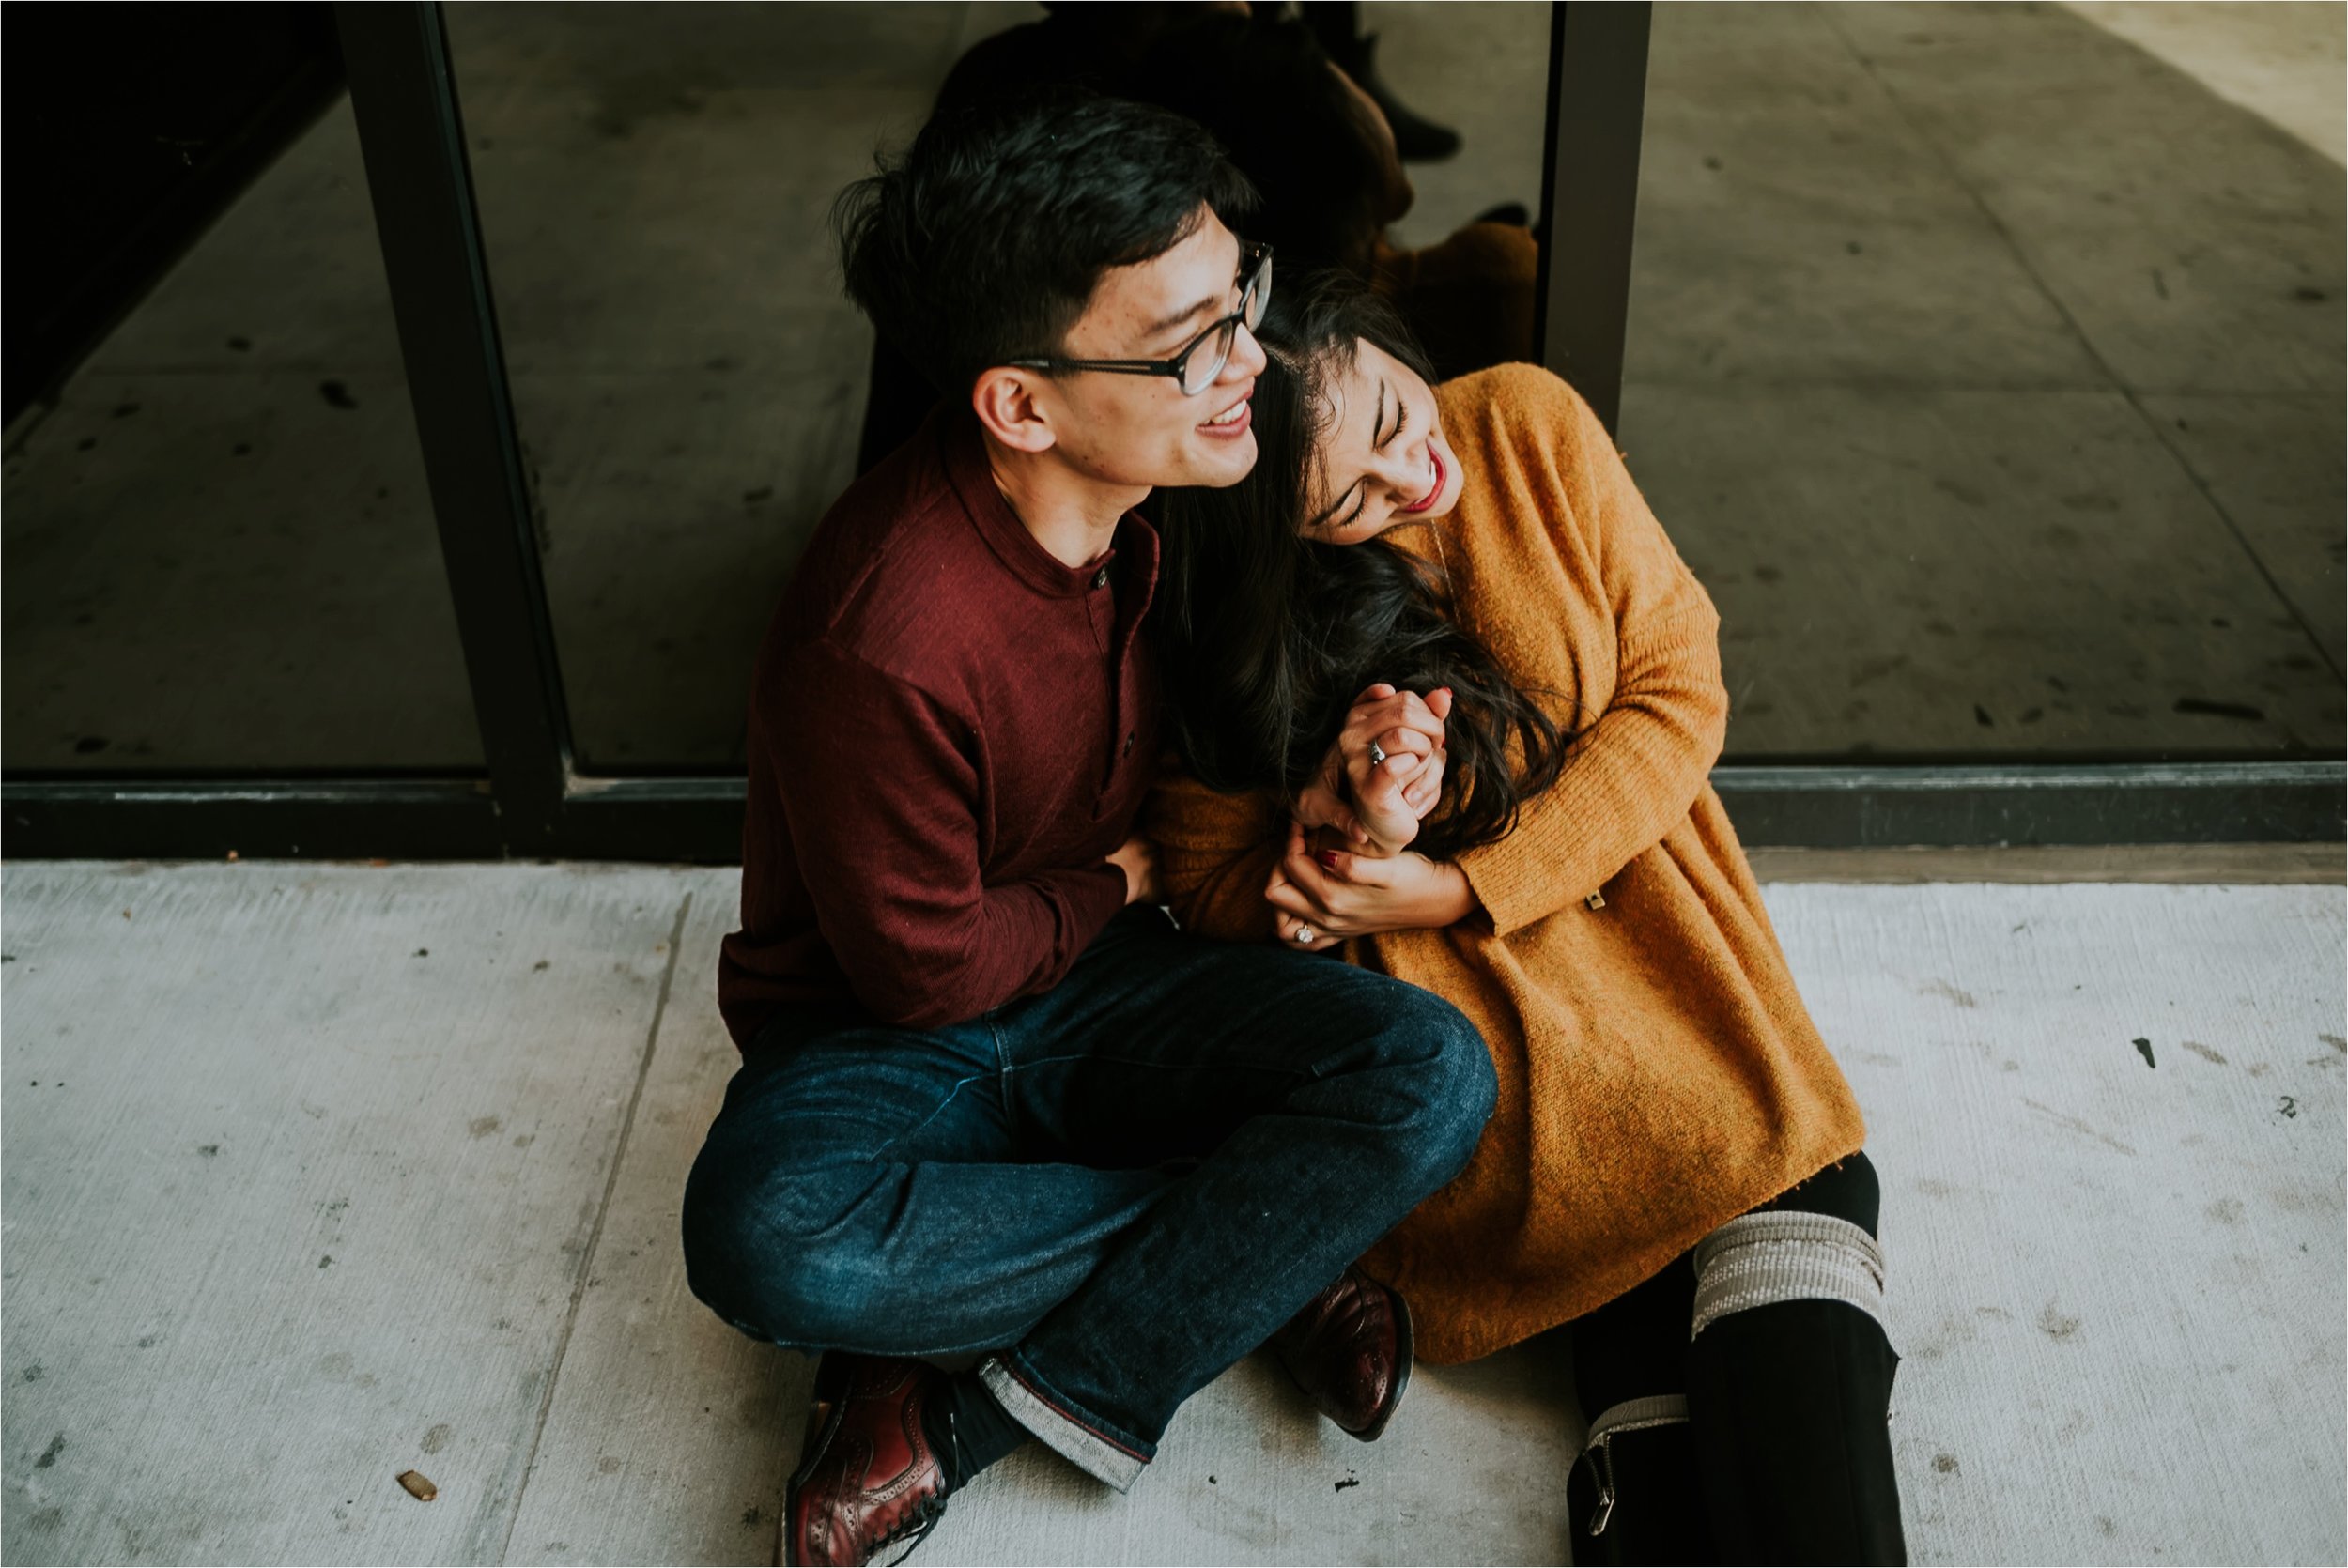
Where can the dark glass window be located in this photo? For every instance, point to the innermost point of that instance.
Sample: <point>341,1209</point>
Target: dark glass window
<point>220,552</point>
<point>1987,364</point>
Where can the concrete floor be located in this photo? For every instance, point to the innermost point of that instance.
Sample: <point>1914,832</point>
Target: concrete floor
<point>1986,362</point>
<point>317,1173</point>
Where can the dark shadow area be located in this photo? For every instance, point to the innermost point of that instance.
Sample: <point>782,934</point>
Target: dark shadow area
<point>218,553</point>
<point>128,129</point>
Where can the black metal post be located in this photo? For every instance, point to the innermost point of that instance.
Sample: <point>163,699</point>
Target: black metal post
<point>404,101</point>
<point>1590,196</point>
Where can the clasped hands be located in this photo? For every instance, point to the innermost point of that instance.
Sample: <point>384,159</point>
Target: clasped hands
<point>1348,869</point>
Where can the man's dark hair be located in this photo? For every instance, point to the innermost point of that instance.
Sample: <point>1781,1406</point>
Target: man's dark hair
<point>983,242</point>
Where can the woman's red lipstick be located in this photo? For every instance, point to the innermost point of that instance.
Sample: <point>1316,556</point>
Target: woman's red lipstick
<point>1428,498</point>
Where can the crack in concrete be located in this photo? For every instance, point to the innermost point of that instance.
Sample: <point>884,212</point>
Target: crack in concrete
<point>595,1236</point>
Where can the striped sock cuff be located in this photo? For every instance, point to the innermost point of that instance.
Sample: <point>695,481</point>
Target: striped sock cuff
<point>1782,1255</point>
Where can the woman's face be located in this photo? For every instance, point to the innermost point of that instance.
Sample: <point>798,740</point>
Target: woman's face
<point>1381,459</point>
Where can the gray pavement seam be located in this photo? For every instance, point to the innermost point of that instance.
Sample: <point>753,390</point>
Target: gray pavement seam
<point>595,1236</point>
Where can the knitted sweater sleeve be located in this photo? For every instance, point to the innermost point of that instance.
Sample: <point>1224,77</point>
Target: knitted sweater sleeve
<point>1635,773</point>
<point>1216,852</point>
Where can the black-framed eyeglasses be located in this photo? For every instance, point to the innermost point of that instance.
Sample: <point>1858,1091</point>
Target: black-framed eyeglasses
<point>1203,357</point>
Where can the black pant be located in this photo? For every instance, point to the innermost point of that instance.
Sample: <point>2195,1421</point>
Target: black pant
<point>1787,1454</point>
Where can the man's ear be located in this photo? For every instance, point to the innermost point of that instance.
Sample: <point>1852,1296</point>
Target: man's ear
<point>1015,406</point>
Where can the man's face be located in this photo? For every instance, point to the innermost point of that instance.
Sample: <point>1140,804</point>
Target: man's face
<point>1141,430</point>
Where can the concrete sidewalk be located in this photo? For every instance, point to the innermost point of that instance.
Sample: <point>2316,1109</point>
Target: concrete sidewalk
<point>316,1173</point>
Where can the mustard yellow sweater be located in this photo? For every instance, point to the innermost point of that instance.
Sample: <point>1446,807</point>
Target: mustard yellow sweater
<point>1659,1074</point>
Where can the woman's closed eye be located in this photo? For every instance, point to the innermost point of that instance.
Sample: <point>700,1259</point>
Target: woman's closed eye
<point>1360,490</point>
<point>1358,494</point>
<point>1361,499</point>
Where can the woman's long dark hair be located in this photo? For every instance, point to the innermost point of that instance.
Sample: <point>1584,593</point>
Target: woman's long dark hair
<point>1268,637</point>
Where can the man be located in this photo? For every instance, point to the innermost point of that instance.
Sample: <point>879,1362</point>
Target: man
<point>990,1100</point>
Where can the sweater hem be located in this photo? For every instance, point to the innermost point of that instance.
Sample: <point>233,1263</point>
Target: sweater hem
<point>1452,1338</point>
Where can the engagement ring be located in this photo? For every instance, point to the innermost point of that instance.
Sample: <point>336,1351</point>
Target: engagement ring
<point>1377,755</point>
<point>1305,935</point>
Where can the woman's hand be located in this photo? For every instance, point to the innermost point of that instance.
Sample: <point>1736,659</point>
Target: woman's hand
<point>1378,803</point>
<point>1319,898</point>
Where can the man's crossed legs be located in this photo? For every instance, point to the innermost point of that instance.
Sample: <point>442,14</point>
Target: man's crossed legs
<point>1118,1187</point>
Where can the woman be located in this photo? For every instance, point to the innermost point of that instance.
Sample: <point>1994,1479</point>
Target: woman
<point>1519,818</point>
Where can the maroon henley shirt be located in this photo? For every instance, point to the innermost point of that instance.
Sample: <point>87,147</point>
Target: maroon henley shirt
<point>949,733</point>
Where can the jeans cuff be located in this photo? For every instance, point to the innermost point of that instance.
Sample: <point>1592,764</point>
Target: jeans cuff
<point>1083,1442</point>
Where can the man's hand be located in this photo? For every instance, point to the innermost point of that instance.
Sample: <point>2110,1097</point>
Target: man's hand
<point>1332,894</point>
<point>1139,859</point>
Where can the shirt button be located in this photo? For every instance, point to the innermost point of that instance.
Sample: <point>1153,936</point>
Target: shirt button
<point>1101,577</point>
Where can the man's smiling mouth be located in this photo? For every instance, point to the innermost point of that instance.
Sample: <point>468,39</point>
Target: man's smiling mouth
<point>1234,417</point>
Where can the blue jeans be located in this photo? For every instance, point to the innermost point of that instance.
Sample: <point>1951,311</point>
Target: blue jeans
<point>1120,1187</point>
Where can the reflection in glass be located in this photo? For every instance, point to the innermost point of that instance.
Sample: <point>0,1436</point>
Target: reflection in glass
<point>1983,366</point>
<point>1986,368</point>
<point>220,553</point>
<point>688,380</point>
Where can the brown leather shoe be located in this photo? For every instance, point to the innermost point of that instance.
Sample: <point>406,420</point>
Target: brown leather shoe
<point>867,1478</point>
<point>1350,1348</point>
